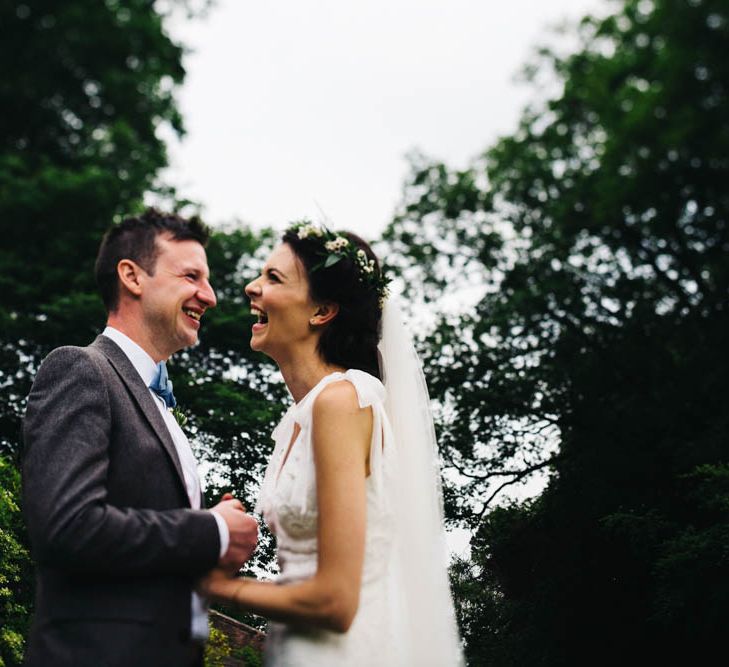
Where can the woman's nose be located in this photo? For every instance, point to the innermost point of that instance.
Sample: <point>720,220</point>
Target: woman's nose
<point>251,288</point>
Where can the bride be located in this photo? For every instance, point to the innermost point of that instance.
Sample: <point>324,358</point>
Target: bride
<point>352,489</point>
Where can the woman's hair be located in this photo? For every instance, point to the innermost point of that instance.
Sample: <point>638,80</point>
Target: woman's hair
<point>350,339</point>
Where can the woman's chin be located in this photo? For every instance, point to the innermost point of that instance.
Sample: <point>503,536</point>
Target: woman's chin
<point>259,345</point>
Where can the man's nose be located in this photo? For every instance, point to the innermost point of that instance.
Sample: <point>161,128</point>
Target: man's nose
<point>206,294</point>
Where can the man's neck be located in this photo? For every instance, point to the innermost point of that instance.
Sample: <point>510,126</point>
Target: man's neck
<point>138,334</point>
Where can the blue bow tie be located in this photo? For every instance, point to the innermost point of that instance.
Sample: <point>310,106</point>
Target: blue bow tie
<point>162,386</point>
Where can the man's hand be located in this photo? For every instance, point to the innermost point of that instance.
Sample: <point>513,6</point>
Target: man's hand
<point>243,530</point>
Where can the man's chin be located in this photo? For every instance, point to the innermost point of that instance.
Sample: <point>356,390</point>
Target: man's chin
<point>188,339</point>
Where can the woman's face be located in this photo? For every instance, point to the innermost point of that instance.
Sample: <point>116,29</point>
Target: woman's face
<point>280,298</point>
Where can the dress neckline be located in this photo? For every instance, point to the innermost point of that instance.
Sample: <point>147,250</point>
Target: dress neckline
<point>293,412</point>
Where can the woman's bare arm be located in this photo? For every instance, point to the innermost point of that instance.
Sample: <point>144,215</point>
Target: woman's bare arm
<point>341,437</point>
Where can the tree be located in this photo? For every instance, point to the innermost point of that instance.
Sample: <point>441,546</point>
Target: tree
<point>89,89</point>
<point>15,572</point>
<point>596,352</point>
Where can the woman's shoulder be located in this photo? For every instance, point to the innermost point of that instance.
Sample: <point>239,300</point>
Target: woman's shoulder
<point>338,395</point>
<point>349,391</point>
<point>339,409</point>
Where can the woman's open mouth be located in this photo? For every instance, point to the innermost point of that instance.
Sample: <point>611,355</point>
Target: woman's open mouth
<point>262,318</point>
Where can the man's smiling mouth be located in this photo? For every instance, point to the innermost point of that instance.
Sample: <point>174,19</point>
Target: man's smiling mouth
<point>195,315</point>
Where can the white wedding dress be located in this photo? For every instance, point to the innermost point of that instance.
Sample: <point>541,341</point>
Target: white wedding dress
<point>406,616</point>
<point>289,506</point>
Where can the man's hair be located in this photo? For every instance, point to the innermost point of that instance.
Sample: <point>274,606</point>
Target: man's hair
<point>135,238</point>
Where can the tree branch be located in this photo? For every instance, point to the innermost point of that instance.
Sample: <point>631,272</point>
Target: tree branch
<point>517,477</point>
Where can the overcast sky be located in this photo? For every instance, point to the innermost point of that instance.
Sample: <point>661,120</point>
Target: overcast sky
<point>293,105</point>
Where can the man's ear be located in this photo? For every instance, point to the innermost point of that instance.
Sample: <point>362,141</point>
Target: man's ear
<point>129,273</point>
<point>325,313</point>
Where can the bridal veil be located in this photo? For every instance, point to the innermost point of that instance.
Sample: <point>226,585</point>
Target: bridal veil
<point>415,496</point>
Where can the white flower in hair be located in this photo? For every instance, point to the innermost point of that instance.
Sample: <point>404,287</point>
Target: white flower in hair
<point>339,243</point>
<point>335,248</point>
<point>305,231</point>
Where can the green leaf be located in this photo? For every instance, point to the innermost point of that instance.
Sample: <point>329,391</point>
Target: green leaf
<point>332,260</point>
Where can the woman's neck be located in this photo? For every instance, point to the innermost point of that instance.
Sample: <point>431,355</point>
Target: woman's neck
<point>302,375</point>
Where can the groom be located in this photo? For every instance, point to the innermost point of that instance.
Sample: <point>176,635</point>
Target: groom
<point>110,489</point>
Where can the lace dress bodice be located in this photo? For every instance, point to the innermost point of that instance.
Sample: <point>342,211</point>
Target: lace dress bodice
<point>288,503</point>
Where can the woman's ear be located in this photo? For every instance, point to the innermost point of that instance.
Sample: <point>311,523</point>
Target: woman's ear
<point>324,314</point>
<point>129,275</point>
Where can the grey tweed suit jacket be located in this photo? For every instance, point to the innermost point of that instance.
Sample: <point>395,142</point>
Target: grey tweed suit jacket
<point>115,542</point>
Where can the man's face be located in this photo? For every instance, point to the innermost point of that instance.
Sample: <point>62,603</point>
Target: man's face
<point>176,296</point>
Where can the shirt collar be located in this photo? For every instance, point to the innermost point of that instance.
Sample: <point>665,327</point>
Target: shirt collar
<point>142,362</point>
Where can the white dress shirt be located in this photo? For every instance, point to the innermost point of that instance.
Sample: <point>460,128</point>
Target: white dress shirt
<point>147,368</point>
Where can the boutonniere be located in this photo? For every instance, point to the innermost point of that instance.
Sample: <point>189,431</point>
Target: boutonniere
<point>179,415</point>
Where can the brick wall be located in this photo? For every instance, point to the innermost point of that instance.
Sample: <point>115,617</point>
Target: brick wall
<point>239,634</point>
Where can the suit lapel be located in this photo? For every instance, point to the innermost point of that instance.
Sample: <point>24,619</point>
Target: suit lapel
<point>142,397</point>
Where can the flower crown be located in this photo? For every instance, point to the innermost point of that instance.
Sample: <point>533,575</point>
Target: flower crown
<point>336,247</point>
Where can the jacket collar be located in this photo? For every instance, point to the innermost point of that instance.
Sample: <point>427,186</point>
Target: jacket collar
<point>141,395</point>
